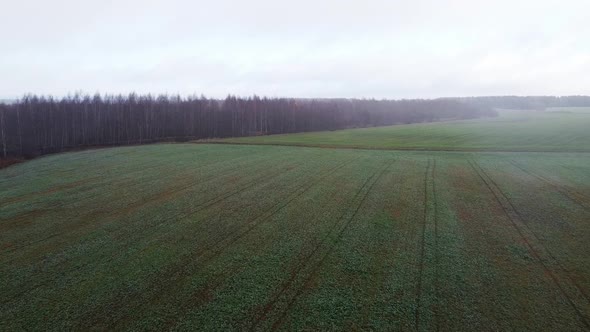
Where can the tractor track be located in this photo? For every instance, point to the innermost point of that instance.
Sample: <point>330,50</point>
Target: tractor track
<point>436,251</point>
<point>228,239</point>
<point>422,249</point>
<point>136,205</point>
<point>266,216</point>
<point>301,262</point>
<point>516,219</point>
<point>378,265</point>
<point>570,194</point>
<point>252,223</point>
<point>429,245</point>
<point>200,207</point>
<point>537,239</point>
<point>314,268</point>
<point>124,181</point>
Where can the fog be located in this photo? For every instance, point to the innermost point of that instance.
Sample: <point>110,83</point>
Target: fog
<point>382,49</point>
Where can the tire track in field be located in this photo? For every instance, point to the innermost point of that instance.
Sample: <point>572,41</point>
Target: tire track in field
<point>428,273</point>
<point>436,251</point>
<point>380,268</point>
<point>552,257</point>
<point>422,249</point>
<point>272,210</point>
<point>52,190</point>
<point>129,178</point>
<point>261,218</point>
<point>252,223</point>
<point>572,195</point>
<point>97,190</point>
<point>540,242</point>
<point>213,201</point>
<point>168,193</point>
<point>67,229</point>
<point>48,281</point>
<point>156,198</point>
<point>552,267</point>
<point>316,268</point>
<point>303,262</point>
<point>61,187</point>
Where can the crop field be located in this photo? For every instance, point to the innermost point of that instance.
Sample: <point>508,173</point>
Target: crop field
<point>569,109</point>
<point>235,237</point>
<point>558,129</point>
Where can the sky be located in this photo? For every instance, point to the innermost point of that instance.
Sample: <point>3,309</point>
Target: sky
<point>304,48</point>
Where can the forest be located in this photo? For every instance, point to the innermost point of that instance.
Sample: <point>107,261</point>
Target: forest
<point>538,103</point>
<point>37,125</point>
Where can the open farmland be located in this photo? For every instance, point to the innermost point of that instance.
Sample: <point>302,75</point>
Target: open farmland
<point>558,129</point>
<point>231,237</point>
<point>569,109</point>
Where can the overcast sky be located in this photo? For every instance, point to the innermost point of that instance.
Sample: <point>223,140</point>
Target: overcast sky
<point>304,48</point>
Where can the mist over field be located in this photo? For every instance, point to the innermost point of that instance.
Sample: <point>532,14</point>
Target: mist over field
<point>294,166</point>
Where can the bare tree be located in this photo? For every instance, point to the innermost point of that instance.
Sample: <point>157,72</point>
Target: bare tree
<point>36,125</point>
<point>2,131</point>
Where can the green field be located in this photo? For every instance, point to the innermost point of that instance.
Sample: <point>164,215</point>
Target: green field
<point>234,237</point>
<point>564,129</point>
<point>569,109</point>
<point>245,237</point>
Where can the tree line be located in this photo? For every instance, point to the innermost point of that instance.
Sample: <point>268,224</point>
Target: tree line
<point>539,103</point>
<point>36,125</point>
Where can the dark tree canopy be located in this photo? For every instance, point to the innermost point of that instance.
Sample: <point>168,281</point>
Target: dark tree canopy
<point>528,102</point>
<point>36,125</point>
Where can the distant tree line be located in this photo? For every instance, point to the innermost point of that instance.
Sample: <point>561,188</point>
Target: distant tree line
<point>528,102</point>
<point>35,125</point>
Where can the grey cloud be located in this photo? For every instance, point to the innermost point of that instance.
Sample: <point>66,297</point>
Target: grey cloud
<point>329,48</point>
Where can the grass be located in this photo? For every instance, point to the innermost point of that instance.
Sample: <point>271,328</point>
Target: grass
<point>233,237</point>
<point>569,109</point>
<point>512,131</point>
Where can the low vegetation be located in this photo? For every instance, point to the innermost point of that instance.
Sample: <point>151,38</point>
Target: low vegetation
<point>552,130</point>
<point>235,237</point>
<point>230,237</point>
